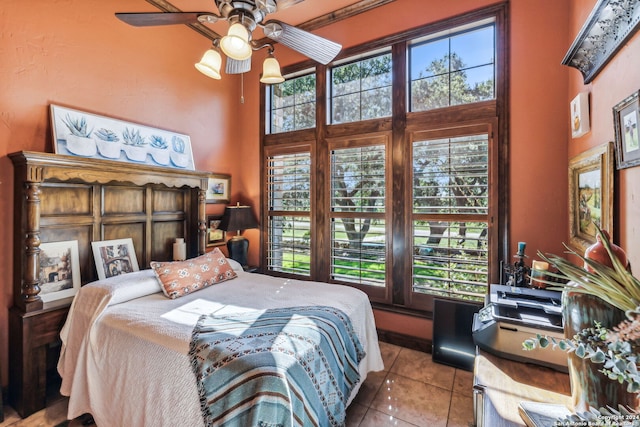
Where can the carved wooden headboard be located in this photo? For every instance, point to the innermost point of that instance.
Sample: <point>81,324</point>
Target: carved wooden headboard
<point>62,198</point>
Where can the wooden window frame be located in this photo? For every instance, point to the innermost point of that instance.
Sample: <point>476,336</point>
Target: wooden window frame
<point>493,113</point>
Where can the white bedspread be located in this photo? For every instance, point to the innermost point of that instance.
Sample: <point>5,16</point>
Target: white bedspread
<point>124,356</point>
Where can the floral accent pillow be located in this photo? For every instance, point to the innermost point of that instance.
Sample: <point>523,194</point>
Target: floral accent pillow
<point>180,278</point>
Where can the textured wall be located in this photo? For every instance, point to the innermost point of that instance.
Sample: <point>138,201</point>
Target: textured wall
<point>77,54</point>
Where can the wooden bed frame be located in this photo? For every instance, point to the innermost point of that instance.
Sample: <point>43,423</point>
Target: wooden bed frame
<point>60,198</point>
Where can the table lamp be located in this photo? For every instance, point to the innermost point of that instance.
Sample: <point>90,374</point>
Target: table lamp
<point>238,218</point>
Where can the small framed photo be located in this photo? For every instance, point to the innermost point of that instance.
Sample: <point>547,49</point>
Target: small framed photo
<point>590,195</point>
<point>114,257</point>
<point>59,270</point>
<point>625,120</point>
<point>215,236</point>
<point>219,190</point>
<point>580,115</point>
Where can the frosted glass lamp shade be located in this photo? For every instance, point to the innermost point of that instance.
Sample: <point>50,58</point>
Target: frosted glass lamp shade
<point>236,43</point>
<point>271,71</point>
<point>210,64</point>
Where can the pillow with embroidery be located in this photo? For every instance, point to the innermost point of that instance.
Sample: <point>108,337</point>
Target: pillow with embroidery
<point>180,278</point>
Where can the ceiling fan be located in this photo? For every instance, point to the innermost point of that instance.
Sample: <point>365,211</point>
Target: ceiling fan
<point>243,17</point>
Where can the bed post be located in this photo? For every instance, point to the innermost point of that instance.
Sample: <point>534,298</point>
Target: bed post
<point>202,215</point>
<point>27,251</point>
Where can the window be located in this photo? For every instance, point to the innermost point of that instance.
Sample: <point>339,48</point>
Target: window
<point>358,200</point>
<point>289,191</point>
<point>292,104</point>
<point>403,172</point>
<point>450,221</point>
<point>452,70</point>
<point>361,90</point>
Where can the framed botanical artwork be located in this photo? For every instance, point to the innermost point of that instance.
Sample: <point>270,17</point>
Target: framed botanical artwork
<point>626,115</point>
<point>59,270</point>
<point>83,134</point>
<point>590,195</point>
<point>219,190</point>
<point>114,257</point>
<point>215,236</point>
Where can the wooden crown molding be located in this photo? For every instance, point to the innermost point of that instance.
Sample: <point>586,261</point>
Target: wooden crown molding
<point>310,25</point>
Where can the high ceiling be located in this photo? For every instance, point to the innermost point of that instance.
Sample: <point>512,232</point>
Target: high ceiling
<point>294,15</point>
<point>307,14</point>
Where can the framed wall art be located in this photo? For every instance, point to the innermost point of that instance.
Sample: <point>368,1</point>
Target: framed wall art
<point>219,190</point>
<point>580,115</point>
<point>590,195</point>
<point>59,270</point>
<point>626,115</point>
<point>215,236</point>
<point>78,133</point>
<point>114,257</point>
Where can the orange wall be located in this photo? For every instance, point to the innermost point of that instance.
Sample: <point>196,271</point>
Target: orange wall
<point>618,80</point>
<point>76,53</point>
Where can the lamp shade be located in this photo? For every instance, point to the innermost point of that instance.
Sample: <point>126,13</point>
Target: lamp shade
<point>271,71</point>
<point>210,64</point>
<point>237,218</point>
<point>236,43</point>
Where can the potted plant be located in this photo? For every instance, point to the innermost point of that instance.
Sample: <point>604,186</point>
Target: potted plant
<point>159,150</point>
<point>134,145</point>
<point>178,155</point>
<point>601,309</point>
<point>108,143</point>
<point>79,139</point>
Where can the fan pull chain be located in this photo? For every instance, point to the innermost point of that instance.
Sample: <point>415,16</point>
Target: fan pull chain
<point>242,88</point>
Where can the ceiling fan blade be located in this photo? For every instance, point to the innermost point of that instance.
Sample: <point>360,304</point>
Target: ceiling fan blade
<point>147,19</point>
<point>315,47</point>
<point>234,66</point>
<point>283,4</point>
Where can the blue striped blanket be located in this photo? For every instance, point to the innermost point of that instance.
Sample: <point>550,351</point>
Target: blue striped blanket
<point>276,368</point>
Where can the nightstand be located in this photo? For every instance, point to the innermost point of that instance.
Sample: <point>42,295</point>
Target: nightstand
<point>251,268</point>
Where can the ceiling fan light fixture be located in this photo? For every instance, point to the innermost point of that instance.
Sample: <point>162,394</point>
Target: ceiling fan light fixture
<point>210,64</point>
<point>271,73</point>
<point>236,43</point>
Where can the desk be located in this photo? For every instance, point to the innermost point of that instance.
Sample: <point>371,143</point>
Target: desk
<point>501,384</point>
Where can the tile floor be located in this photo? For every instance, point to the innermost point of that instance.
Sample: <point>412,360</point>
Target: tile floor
<point>411,391</point>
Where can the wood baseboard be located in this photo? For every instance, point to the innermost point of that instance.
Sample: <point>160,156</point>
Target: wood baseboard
<point>408,341</point>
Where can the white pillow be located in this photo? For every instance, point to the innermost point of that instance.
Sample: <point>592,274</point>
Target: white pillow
<point>125,287</point>
<point>235,264</point>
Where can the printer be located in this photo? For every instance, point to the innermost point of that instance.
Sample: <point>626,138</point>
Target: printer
<point>514,314</point>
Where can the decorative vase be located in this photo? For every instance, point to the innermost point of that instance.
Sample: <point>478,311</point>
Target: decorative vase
<point>589,387</point>
<point>598,252</point>
<point>179,250</point>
